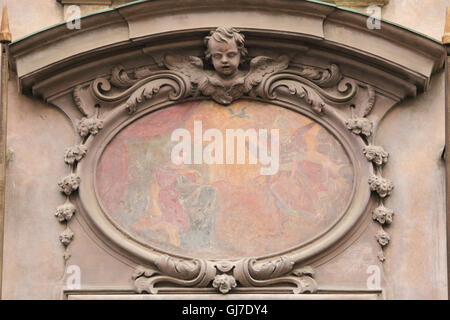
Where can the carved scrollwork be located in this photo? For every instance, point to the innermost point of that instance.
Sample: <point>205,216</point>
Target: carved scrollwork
<point>180,269</point>
<point>142,90</point>
<point>188,273</point>
<point>120,78</point>
<point>347,88</point>
<point>184,77</point>
<point>187,77</point>
<point>270,269</point>
<point>147,91</point>
<point>298,89</point>
<point>306,276</point>
<point>225,275</point>
<point>323,78</point>
<point>278,271</point>
<point>142,280</point>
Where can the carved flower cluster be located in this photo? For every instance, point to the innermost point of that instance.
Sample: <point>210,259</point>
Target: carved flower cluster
<point>383,215</point>
<point>376,154</point>
<point>381,256</point>
<point>224,282</point>
<point>75,153</point>
<point>69,184</point>
<point>66,237</point>
<point>381,185</point>
<point>383,238</point>
<point>89,126</point>
<point>360,126</point>
<point>65,212</point>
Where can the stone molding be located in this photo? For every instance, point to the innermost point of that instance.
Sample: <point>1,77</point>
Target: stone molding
<point>358,3</point>
<point>347,3</point>
<point>112,101</point>
<point>94,2</point>
<point>398,51</point>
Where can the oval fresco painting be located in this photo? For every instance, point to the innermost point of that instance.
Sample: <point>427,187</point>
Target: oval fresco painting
<point>202,180</point>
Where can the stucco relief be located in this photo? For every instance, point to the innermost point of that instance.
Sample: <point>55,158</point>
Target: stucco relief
<point>322,93</point>
<point>224,276</point>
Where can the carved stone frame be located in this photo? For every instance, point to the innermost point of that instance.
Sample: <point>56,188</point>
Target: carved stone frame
<point>92,211</point>
<point>345,89</point>
<point>340,104</point>
<point>294,89</point>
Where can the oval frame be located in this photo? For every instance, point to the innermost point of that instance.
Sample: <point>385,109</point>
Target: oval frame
<point>122,242</point>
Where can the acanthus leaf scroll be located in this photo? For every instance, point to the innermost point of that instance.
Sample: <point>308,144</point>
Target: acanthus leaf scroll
<point>225,276</point>
<point>187,77</point>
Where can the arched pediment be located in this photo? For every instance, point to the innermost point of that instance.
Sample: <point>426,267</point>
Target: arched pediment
<point>314,29</point>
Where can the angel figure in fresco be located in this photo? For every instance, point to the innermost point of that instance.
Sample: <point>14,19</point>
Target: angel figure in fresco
<point>226,83</point>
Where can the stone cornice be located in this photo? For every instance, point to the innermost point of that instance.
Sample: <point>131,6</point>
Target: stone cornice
<point>358,3</point>
<point>408,57</point>
<point>348,3</point>
<point>94,2</point>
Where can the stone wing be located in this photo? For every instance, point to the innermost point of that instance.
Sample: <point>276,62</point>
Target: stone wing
<point>191,67</point>
<point>262,66</point>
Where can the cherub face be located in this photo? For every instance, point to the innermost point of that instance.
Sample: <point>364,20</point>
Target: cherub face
<point>225,57</point>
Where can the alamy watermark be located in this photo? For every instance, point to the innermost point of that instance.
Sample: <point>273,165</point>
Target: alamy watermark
<point>374,280</point>
<point>73,17</point>
<point>73,281</point>
<point>374,20</point>
<point>231,149</point>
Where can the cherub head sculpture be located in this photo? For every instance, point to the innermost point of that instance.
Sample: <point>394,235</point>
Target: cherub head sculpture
<point>225,48</point>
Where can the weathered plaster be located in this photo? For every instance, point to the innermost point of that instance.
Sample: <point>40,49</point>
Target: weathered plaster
<point>37,136</point>
<point>413,134</point>
<point>427,17</point>
<point>28,16</point>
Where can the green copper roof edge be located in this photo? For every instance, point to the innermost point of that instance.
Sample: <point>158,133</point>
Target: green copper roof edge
<point>313,1</point>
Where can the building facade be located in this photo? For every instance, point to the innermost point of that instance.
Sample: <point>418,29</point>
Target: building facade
<point>167,149</point>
